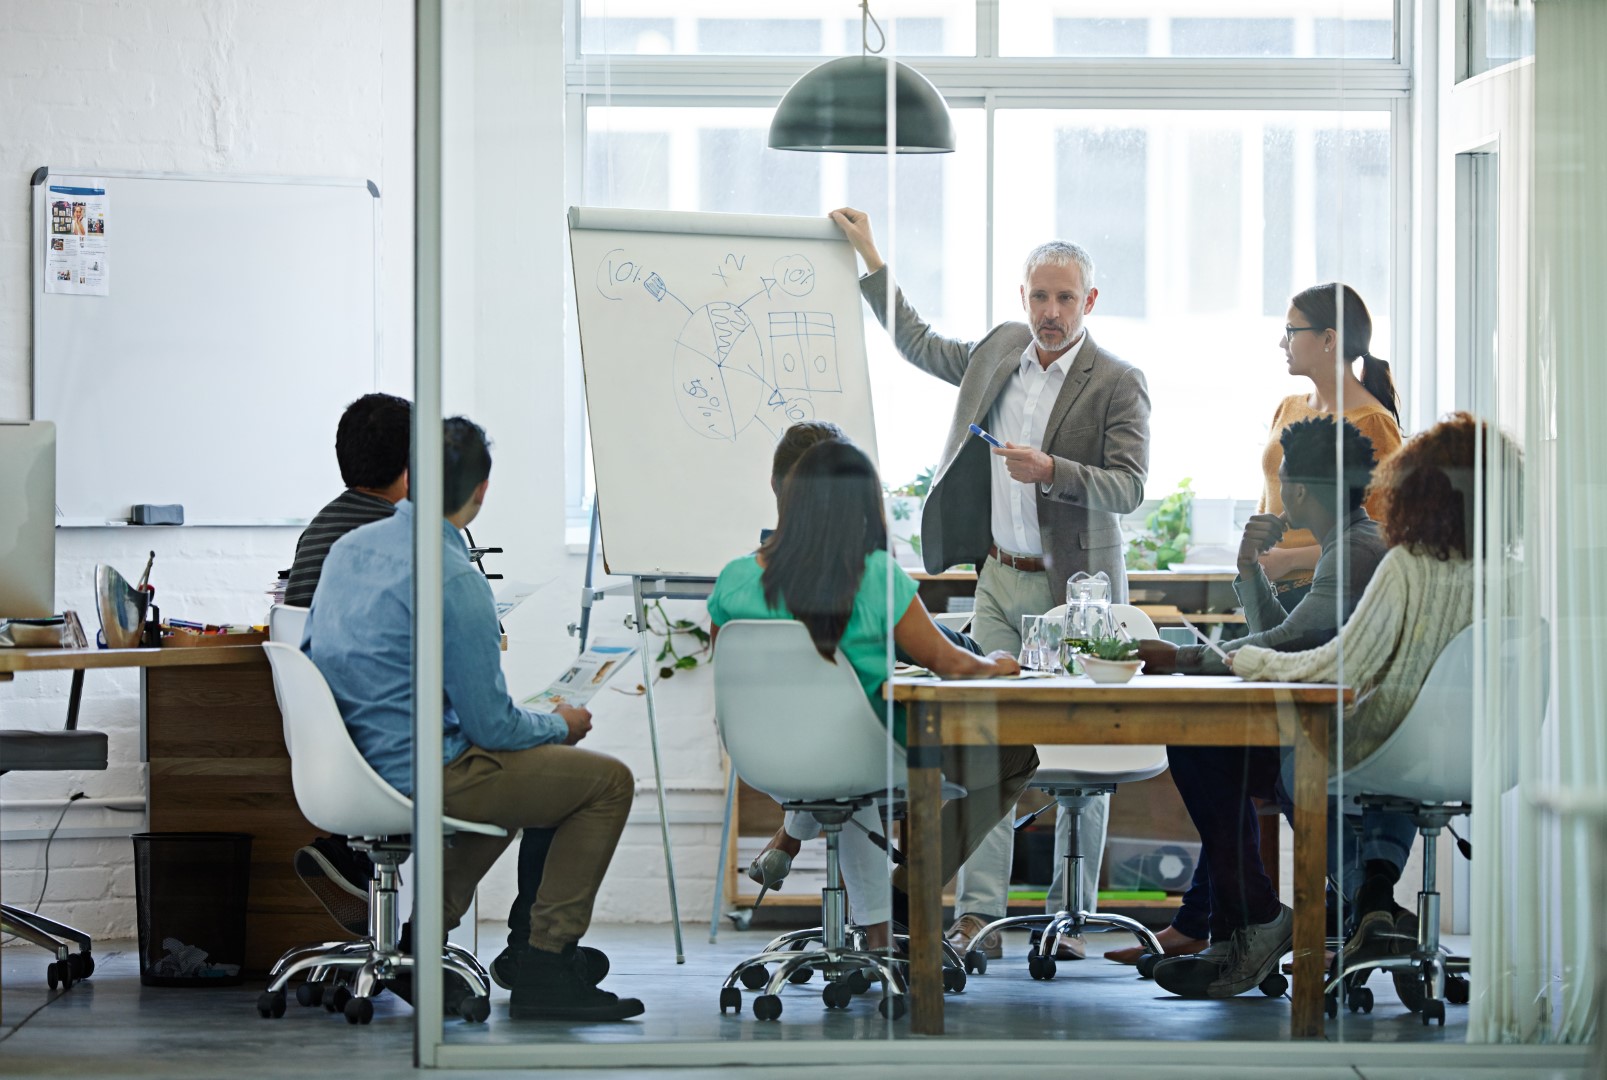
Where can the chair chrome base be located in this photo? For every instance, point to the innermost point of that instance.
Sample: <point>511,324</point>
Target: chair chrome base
<point>345,976</point>
<point>69,967</point>
<point>848,969</point>
<point>1435,967</point>
<point>1071,920</point>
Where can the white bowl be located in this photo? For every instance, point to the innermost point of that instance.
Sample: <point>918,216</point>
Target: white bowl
<point>1109,671</point>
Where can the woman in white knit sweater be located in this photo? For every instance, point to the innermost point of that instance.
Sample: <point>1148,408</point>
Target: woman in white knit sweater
<point>1421,595</point>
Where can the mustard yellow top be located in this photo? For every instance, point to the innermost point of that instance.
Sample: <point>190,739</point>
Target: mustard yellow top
<point>1372,420</point>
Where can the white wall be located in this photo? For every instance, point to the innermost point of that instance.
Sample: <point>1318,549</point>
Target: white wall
<point>299,87</point>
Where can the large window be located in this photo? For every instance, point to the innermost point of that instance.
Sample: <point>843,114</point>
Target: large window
<point>1357,29</point>
<point>1204,212</point>
<point>1202,224</point>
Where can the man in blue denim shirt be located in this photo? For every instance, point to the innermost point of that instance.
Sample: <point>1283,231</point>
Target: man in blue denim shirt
<point>504,764</point>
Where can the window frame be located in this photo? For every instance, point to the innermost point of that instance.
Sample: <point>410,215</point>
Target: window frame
<point>993,83</point>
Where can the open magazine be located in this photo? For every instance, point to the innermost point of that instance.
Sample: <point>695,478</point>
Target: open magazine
<point>588,674</point>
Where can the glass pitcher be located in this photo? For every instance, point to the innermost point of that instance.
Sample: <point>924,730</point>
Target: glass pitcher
<point>1087,614</point>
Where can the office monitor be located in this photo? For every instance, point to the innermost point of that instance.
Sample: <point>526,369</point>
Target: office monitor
<point>27,519</point>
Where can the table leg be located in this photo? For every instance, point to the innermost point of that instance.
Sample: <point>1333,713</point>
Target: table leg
<point>925,754</point>
<point>1311,864</point>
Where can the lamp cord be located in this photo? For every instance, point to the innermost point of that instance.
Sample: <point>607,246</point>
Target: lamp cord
<point>866,21</point>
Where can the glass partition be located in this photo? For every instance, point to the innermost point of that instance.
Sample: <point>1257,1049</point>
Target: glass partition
<point>1189,660</point>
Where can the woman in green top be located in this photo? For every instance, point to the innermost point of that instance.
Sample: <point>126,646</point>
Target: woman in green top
<point>827,566</point>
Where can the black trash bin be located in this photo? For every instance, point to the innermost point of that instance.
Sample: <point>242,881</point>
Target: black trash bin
<point>190,891</point>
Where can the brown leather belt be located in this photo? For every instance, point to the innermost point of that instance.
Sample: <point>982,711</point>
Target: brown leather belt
<point>1029,563</point>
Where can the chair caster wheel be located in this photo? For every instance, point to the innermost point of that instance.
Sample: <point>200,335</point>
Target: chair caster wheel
<point>767,1007</point>
<point>858,981</point>
<point>953,980</point>
<point>801,976</point>
<point>1457,990</point>
<point>1041,967</point>
<point>474,1010</point>
<point>742,920</point>
<point>59,973</point>
<point>837,995</point>
<point>336,1002</point>
<point>271,1005</point>
<point>1275,985</point>
<point>730,998</point>
<point>81,965</point>
<point>309,994</point>
<point>1146,964</point>
<point>892,1006</point>
<point>976,962</point>
<point>1434,1009</point>
<point>359,1010</point>
<point>754,978</point>
<point>1360,1000</point>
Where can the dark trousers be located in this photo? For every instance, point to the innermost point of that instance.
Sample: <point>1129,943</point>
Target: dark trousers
<point>533,846</point>
<point>1217,783</point>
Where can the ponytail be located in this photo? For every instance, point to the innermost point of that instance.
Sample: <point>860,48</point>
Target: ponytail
<point>1380,383</point>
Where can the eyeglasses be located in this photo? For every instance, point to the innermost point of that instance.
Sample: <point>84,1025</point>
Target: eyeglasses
<point>1290,331</point>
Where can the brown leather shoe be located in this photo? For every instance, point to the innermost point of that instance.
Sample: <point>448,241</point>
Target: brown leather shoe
<point>1173,949</point>
<point>1071,948</point>
<point>967,927</point>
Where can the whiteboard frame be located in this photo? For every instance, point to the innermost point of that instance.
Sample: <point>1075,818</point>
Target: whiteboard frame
<point>36,240</point>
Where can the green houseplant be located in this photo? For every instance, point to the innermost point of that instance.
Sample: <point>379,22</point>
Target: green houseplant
<point>1166,536</point>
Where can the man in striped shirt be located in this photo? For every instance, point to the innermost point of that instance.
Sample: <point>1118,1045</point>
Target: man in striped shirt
<point>372,442</point>
<point>371,445</point>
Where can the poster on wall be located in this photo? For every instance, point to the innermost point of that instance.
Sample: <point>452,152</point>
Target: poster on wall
<point>76,245</point>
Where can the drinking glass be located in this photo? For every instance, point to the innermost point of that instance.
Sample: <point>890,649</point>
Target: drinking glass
<point>1031,642</point>
<point>1052,629</point>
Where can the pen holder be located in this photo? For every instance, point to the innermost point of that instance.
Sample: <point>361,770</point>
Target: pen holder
<point>121,608</point>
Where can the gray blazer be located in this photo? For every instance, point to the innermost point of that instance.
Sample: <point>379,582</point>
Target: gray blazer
<point>1098,434</point>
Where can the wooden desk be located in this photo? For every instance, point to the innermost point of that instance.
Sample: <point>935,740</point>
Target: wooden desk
<point>213,737</point>
<point>1167,709</point>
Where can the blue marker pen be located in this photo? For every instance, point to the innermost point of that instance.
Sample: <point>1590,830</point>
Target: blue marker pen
<point>985,437</point>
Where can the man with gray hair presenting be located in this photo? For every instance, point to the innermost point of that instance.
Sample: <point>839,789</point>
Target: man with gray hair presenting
<point>1074,423</point>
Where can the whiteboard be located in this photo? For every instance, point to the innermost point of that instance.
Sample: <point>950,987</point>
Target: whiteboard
<point>240,320</point>
<point>703,337</point>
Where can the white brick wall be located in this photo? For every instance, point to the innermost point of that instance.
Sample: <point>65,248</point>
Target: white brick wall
<point>307,87</point>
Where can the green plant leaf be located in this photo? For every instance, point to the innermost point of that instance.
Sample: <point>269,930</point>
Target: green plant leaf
<point>665,672</point>
<point>686,663</point>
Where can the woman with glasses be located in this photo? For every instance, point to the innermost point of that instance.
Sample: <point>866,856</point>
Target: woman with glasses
<point>1328,331</point>
<point>1326,324</point>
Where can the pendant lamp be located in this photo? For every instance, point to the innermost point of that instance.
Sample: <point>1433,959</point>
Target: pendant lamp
<point>840,107</point>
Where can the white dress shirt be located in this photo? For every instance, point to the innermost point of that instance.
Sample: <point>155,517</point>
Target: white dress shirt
<point>1019,416</point>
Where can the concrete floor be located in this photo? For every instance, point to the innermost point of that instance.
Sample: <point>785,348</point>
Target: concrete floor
<point>112,1027</point>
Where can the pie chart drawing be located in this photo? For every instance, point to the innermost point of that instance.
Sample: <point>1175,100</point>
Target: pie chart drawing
<point>718,371</point>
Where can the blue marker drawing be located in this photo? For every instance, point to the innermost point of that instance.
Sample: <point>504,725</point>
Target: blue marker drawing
<point>985,437</point>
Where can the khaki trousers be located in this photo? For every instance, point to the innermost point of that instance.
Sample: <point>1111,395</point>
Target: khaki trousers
<point>582,795</point>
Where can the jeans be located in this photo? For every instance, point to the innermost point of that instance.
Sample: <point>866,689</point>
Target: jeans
<point>1217,783</point>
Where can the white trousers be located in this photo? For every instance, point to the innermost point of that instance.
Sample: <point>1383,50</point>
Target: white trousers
<point>866,869</point>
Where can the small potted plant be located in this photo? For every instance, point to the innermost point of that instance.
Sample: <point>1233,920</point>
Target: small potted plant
<point>1109,659</point>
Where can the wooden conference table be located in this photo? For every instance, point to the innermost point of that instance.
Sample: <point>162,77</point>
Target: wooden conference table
<point>1162,709</point>
<point>212,735</point>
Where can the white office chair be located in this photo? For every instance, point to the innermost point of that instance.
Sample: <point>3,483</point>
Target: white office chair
<point>1073,776</point>
<point>287,623</point>
<point>338,791</point>
<point>1425,770</point>
<point>798,728</point>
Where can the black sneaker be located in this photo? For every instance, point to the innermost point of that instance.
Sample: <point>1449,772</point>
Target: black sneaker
<point>549,986</point>
<point>327,867</point>
<point>505,968</point>
<point>456,991</point>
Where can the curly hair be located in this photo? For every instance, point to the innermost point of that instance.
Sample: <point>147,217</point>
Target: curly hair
<point>1426,488</point>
